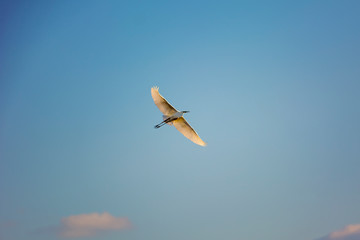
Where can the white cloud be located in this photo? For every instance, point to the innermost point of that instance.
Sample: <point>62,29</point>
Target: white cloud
<point>350,232</point>
<point>86,225</point>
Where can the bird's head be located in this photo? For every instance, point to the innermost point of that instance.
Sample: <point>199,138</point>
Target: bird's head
<point>185,111</point>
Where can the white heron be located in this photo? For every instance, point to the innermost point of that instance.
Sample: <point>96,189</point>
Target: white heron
<point>173,117</point>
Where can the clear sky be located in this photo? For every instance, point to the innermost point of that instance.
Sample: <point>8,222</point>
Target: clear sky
<point>273,87</point>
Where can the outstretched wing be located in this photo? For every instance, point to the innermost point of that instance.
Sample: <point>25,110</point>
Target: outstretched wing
<point>161,102</point>
<point>183,127</point>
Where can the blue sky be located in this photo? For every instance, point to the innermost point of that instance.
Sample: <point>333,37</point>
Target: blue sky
<point>272,87</point>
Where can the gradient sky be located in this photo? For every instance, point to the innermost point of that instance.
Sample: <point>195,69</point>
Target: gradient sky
<point>273,87</point>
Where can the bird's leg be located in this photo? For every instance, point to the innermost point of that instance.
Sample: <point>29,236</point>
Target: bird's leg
<point>159,125</point>
<point>163,123</point>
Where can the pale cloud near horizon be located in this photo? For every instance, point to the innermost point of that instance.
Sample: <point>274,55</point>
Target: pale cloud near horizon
<point>86,225</point>
<point>350,232</point>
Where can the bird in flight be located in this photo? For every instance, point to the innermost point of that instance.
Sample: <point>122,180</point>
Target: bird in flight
<point>174,117</point>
